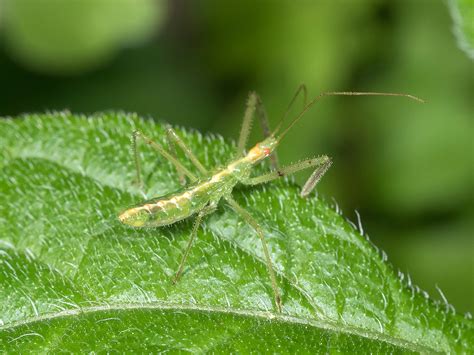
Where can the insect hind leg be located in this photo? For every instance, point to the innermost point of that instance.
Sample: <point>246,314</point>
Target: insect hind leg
<point>250,220</point>
<point>204,212</point>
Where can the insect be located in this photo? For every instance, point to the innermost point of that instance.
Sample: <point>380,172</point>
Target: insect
<point>205,190</point>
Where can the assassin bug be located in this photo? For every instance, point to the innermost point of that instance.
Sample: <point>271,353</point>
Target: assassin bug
<point>202,195</point>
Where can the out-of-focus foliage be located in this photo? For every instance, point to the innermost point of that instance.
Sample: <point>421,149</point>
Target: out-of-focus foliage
<point>462,12</point>
<point>73,279</point>
<point>69,36</point>
<point>407,168</point>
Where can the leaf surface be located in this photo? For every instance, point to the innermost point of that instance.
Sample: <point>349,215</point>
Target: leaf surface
<point>72,278</point>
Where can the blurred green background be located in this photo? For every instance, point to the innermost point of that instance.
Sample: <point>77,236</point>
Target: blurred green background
<point>406,168</point>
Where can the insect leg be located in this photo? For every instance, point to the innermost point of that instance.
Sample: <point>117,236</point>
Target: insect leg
<point>205,211</point>
<point>262,115</point>
<point>322,164</point>
<point>171,143</point>
<point>159,148</point>
<point>250,220</point>
<point>176,139</point>
<point>247,123</point>
<point>254,103</point>
<point>315,177</point>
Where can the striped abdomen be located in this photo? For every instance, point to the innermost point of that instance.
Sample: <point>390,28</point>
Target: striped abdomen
<point>174,207</point>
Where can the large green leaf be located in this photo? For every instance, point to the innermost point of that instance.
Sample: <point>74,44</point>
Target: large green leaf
<point>72,278</point>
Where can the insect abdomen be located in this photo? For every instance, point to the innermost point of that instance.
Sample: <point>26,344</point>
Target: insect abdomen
<point>161,211</point>
<point>179,205</point>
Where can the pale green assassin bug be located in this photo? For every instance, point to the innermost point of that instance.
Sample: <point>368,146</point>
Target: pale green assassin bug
<point>206,190</point>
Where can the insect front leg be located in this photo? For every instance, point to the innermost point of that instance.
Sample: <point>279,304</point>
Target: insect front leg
<point>205,211</point>
<point>247,123</point>
<point>250,220</point>
<point>161,150</point>
<point>254,104</point>
<point>262,114</point>
<point>315,177</point>
<point>322,164</point>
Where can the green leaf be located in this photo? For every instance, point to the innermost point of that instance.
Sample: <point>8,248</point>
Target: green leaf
<point>462,12</point>
<point>72,278</point>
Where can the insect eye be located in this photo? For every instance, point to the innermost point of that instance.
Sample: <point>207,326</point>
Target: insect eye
<point>266,151</point>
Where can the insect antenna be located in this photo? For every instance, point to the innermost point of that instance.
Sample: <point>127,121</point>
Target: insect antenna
<point>301,89</point>
<point>335,93</point>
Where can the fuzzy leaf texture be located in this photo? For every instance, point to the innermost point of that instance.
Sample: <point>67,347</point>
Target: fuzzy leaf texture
<point>73,279</point>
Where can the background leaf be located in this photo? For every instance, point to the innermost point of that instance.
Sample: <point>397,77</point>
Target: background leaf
<point>74,36</point>
<point>462,12</point>
<point>72,278</point>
